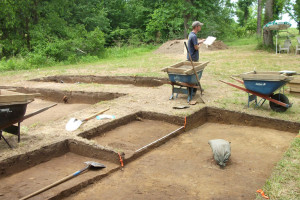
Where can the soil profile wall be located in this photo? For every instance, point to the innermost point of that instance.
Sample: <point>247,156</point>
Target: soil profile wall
<point>72,96</point>
<point>218,115</point>
<point>134,80</point>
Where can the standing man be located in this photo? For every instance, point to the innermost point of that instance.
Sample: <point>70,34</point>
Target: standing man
<point>193,44</point>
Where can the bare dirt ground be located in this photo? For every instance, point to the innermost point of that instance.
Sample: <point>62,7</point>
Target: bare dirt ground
<point>184,167</point>
<point>39,176</point>
<point>55,113</point>
<point>131,137</point>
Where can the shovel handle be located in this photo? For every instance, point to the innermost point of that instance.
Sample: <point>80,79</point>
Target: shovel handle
<point>193,66</point>
<point>56,183</point>
<point>198,80</point>
<point>94,115</point>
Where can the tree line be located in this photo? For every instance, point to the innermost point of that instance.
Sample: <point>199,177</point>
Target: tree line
<point>58,30</point>
<point>272,11</point>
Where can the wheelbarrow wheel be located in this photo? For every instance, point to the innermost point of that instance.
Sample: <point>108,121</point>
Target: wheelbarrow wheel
<point>279,97</point>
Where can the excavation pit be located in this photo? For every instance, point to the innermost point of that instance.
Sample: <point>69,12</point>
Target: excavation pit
<point>115,80</point>
<point>179,167</point>
<point>184,167</point>
<point>32,171</point>
<point>132,132</point>
<point>76,100</point>
<point>73,97</point>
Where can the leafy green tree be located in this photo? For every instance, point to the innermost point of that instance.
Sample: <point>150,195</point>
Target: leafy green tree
<point>293,9</point>
<point>55,30</point>
<point>278,8</point>
<point>297,13</point>
<point>15,24</point>
<point>91,13</point>
<point>243,11</point>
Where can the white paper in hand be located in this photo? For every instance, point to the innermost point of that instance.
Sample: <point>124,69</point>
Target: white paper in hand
<point>209,40</point>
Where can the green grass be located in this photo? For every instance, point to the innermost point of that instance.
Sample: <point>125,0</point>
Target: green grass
<point>25,63</point>
<point>284,182</point>
<point>125,51</point>
<point>242,41</point>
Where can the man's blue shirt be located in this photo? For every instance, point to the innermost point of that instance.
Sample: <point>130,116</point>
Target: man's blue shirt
<point>192,41</point>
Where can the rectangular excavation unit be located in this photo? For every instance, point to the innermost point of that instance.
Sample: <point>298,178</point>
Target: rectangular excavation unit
<point>24,174</point>
<point>132,132</point>
<point>184,167</point>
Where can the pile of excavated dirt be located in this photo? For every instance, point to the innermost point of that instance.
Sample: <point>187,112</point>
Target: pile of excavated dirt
<point>177,47</point>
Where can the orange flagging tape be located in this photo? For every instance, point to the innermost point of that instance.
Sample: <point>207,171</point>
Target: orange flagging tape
<point>184,122</point>
<point>121,160</point>
<point>262,193</point>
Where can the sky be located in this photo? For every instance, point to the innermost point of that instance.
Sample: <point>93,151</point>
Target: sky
<point>285,17</point>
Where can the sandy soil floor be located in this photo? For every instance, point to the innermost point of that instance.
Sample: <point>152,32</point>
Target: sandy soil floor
<point>37,177</point>
<point>184,167</point>
<point>135,135</point>
<point>54,113</point>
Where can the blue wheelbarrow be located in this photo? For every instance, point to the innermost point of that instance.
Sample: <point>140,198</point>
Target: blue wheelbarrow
<point>183,79</point>
<point>264,85</point>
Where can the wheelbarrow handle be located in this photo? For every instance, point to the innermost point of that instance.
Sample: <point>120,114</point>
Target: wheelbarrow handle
<point>39,111</point>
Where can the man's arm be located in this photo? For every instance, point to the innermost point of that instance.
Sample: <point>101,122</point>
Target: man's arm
<point>198,45</point>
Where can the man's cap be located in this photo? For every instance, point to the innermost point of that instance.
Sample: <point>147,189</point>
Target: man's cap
<point>196,23</point>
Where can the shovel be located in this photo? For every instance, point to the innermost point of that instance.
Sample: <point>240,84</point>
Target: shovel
<point>74,123</point>
<point>198,80</point>
<point>89,165</point>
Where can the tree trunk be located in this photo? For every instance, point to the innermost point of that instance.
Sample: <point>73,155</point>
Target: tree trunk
<point>35,12</point>
<point>259,11</point>
<point>27,33</point>
<point>186,27</point>
<point>267,34</point>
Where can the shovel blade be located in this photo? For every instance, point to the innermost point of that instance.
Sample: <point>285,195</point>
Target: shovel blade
<point>73,124</point>
<point>95,164</point>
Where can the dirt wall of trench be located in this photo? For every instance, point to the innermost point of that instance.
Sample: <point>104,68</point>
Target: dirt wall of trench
<point>24,161</point>
<point>73,96</point>
<point>134,80</point>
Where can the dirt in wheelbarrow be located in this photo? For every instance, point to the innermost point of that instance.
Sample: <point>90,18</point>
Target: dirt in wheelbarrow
<point>184,167</point>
